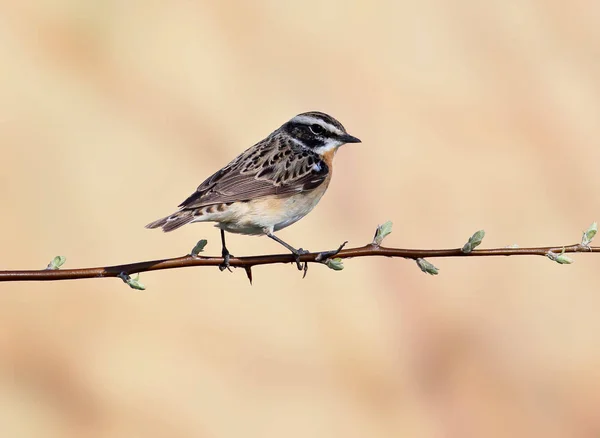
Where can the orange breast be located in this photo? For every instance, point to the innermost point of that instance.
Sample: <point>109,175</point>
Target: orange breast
<point>328,158</point>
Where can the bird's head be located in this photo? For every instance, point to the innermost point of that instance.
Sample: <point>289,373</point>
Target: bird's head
<point>317,131</point>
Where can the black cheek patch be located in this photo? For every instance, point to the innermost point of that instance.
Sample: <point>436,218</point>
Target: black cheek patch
<point>313,142</point>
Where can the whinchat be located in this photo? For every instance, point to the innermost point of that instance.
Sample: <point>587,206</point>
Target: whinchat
<point>271,185</point>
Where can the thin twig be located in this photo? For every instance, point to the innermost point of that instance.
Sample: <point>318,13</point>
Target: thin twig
<point>248,262</point>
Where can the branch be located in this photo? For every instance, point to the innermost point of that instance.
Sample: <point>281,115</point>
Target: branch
<point>52,273</point>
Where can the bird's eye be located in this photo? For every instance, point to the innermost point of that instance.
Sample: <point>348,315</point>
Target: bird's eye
<point>316,129</point>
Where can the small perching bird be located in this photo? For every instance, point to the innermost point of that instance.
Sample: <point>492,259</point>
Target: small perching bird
<point>271,185</point>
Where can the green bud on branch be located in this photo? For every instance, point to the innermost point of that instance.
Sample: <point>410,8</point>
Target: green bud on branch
<point>588,235</point>
<point>335,264</point>
<point>473,242</point>
<point>199,247</point>
<point>56,263</point>
<point>560,258</point>
<point>382,232</point>
<point>427,267</point>
<point>133,283</point>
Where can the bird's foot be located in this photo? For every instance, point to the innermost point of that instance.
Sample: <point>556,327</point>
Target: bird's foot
<point>225,264</point>
<point>301,266</point>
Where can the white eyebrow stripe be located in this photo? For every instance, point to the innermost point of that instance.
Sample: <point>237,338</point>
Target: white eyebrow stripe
<point>308,120</point>
<point>298,142</point>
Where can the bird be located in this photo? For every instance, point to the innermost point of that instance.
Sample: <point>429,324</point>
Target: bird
<point>270,185</point>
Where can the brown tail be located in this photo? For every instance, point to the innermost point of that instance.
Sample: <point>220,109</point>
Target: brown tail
<point>174,221</point>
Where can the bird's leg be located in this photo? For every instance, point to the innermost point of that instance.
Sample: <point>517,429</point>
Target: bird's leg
<point>297,252</point>
<point>225,253</point>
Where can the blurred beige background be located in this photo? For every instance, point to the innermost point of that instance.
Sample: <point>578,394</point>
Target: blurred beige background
<point>472,115</point>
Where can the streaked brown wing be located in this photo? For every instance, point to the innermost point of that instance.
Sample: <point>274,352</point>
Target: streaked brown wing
<point>271,167</point>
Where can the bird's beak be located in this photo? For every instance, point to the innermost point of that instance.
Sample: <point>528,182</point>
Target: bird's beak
<point>347,138</point>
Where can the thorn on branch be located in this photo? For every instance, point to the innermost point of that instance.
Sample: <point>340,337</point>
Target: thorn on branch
<point>248,270</point>
<point>56,263</point>
<point>325,257</point>
<point>327,254</point>
<point>473,242</point>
